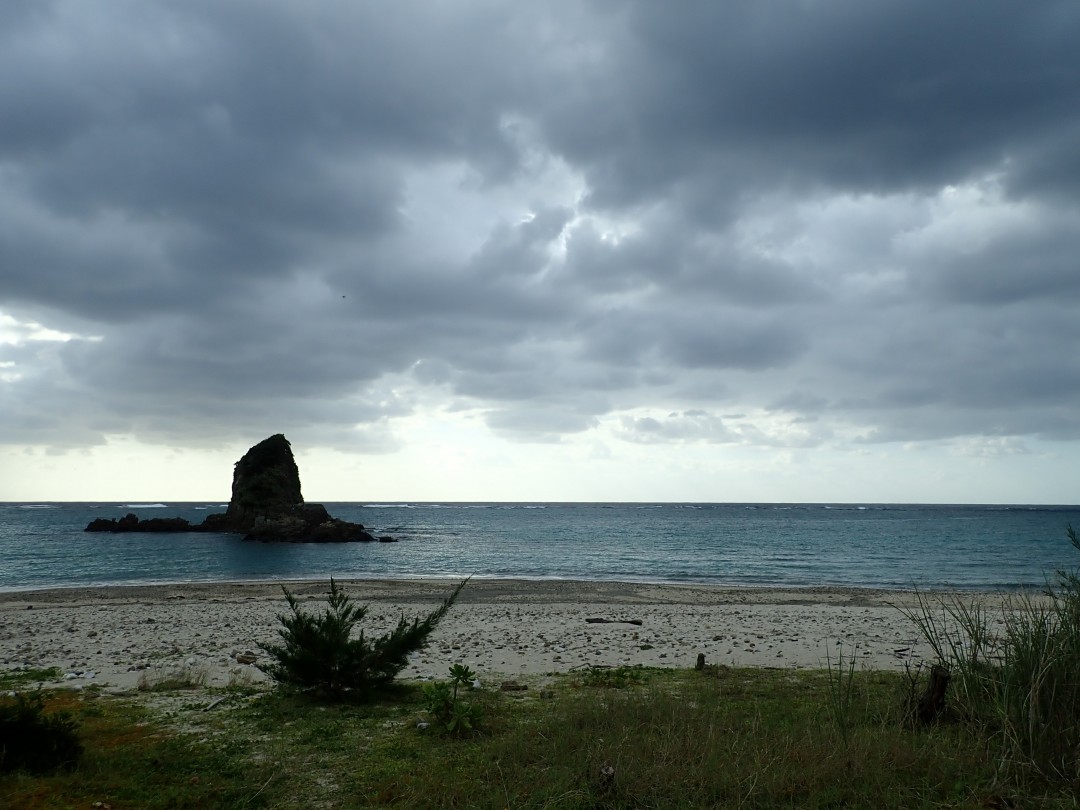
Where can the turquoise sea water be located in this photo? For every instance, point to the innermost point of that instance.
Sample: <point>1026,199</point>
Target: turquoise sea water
<point>794,545</point>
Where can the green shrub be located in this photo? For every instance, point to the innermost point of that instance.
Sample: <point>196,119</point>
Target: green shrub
<point>319,653</point>
<point>33,741</point>
<point>453,715</point>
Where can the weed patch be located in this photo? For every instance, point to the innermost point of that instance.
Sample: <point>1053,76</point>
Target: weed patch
<point>18,678</point>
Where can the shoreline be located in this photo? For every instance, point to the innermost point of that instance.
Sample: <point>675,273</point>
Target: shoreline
<point>413,583</point>
<point>114,635</point>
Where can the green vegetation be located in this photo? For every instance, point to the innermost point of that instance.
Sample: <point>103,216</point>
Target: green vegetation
<point>173,678</point>
<point>453,715</point>
<point>132,759</point>
<point>16,678</point>
<point>320,654</point>
<point>841,687</point>
<point>678,738</point>
<point>33,740</point>
<point>1018,683</point>
<point>612,677</point>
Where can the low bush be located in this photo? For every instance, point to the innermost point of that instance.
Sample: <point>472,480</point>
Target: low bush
<point>34,741</point>
<point>319,654</point>
<point>453,715</point>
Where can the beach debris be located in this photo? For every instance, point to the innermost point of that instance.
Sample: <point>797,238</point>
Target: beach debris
<point>512,686</point>
<point>636,622</point>
<point>423,726</point>
<point>214,703</point>
<point>246,657</point>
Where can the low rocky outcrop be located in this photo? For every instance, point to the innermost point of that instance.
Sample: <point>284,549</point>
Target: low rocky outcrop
<point>266,505</point>
<point>131,523</point>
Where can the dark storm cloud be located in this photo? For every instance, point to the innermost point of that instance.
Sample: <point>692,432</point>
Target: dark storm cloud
<point>279,217</point>
<point>865,96</point>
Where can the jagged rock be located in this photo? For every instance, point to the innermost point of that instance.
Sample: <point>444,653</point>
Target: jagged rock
<point>291,528</point>
<point>266,505</point>
<point>266,484</point>
<point>131,523</point>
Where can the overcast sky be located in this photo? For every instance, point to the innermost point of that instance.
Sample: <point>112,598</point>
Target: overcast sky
<point>780,250</point>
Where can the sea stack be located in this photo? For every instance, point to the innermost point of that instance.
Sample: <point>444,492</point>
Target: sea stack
<point>266,505</point>
<point>266,482</point>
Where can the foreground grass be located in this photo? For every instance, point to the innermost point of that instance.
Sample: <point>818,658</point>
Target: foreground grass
<point>132,759</point>
<point>722,738</point>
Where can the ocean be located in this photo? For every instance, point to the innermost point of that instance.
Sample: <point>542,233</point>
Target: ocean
<point>971,547</point>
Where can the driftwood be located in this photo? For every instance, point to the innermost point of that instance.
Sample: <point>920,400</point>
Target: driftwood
<point>931,704</point>
<point>637,622</point>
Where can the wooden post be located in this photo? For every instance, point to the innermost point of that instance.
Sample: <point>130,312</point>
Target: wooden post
<point>931,704</point>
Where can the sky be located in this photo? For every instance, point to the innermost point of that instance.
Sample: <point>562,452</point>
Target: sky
<point>781,250</point>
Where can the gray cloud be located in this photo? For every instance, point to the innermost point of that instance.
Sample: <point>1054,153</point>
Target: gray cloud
<point>857,217</point>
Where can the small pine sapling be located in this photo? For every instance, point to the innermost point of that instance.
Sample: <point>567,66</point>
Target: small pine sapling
<point>319,653</point>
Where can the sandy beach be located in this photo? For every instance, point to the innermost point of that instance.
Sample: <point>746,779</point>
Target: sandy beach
<point>113,636</point>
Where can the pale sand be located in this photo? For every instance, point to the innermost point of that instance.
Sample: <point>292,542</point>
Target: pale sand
<point>502,628</point>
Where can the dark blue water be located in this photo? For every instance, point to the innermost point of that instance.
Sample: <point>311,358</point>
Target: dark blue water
<point>800,545</point>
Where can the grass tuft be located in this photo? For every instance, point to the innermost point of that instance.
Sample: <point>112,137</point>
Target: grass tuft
<point>1016,678</point>
<point>173,678</point>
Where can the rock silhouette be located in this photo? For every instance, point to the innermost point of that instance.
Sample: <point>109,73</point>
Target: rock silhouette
<point>266,505</point>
